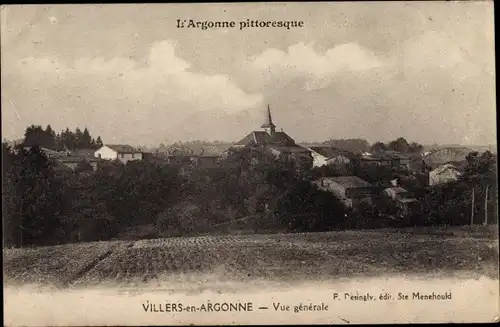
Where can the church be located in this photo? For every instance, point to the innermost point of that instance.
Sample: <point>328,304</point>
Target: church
<point>271,144</point>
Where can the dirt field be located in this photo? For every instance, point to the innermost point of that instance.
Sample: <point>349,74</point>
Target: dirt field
<point>279,257</point>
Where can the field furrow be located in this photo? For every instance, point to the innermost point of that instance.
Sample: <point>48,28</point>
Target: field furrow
<point>279,257</point>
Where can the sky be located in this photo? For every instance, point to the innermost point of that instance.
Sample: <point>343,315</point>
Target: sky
<point>419,70</point>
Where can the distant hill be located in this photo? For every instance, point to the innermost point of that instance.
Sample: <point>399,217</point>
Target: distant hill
<point>197,147</point>
<point>479,148</point>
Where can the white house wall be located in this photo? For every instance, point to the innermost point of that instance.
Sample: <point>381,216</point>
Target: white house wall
<point>318,159</point>
<point>106,153</point>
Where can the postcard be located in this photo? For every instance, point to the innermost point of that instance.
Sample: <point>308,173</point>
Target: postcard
<point>249,163</point>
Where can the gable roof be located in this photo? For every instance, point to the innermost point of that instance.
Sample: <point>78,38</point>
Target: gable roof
<point>349,181</point>
<point>394,154</point>
<point>446,155</point>
<point>282,138</point>
<point>122,148</point>
<point>441,169</point>
<point>255,138</point>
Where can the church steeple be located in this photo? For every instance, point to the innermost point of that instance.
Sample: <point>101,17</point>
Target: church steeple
<point>269,123</point>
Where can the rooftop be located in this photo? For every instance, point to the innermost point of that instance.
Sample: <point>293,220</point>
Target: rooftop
<point>72,158</point>
<point>289,149</point>
<point>330,152</point>
<point>396,189</point>
<point>349,181</point>
<point>444,167</point>
<point>122,148</point>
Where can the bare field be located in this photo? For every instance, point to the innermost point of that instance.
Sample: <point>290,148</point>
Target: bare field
<point>278,257</point>
<point>53,264</point>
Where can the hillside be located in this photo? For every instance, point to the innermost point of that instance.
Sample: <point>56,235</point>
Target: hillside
<point>280,257</point>
<point>479,148</point>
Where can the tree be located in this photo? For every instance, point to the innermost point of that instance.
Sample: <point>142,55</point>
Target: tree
<point>9,197</point>
<point>98,142</point>
<point>33,199</point>
<point>481,175</point>
<point>400,145</point>
<point>59,144</point>
<point>79,142</point>
<point>304,208</point>
<point>415,148</point>
<point>377,147</point>
<point>49,138</point>
<point>68,139</point>
<point>83,167</point>
<point>86,142</point>
<point>34,136</point>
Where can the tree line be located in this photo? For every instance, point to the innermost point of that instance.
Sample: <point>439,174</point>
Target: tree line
<point>44,206</point>
<point>362,145</point>
<point>35,135</point>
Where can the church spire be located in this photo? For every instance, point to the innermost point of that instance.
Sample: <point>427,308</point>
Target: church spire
<point>269,123</point>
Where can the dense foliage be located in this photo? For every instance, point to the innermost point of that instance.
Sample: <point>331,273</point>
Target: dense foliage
<point>42,205</point>
<point>35,135</point>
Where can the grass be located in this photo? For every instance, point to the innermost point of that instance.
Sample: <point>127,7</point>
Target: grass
<point>277,256</point>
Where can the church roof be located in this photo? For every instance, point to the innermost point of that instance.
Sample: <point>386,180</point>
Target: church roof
<point>255,138</point>
<point>282,138</point>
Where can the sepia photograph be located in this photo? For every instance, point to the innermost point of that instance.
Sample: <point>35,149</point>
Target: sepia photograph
<point>249,163</point>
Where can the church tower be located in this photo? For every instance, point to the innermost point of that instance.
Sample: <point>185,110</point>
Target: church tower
<point>268,125</point>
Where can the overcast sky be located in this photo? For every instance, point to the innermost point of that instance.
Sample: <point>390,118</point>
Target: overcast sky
<point>423,71</point>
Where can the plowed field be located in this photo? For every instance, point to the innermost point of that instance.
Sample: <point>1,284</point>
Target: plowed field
<point>279,256</point>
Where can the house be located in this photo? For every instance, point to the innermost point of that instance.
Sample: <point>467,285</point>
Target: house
<point>205,160</point>
<point>73,161</point>
<point>404,203</point>
<point>351,190</point>
<point>276,144</point>
<point>446,155</point>
<point>373,160</point>
<point>400,160</point>
<point>444,174</point>
<point>123,153</point>
<point>387,158</point>
<point>327,155</point>
<point>70,159</point>
<point>396,193</point>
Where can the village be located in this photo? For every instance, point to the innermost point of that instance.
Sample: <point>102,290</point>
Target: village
<point>381,177</point>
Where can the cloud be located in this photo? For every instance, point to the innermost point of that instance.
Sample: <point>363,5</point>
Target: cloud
<point>165,74</point>
<point>301,60</point>
<point>123,95</point>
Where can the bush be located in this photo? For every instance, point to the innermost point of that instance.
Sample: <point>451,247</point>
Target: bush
<point>305,208</point>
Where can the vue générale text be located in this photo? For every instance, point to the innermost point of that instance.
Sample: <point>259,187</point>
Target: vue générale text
<point>248,23</point>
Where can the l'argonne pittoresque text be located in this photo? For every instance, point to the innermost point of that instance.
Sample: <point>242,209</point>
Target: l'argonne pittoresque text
<point>243,24</point>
